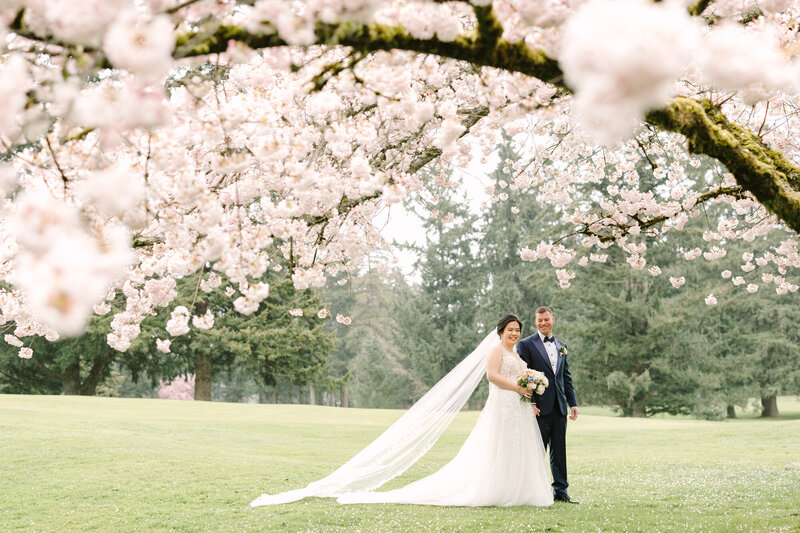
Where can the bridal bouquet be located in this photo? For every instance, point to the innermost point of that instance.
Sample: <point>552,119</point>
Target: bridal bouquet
<point>532,380</point>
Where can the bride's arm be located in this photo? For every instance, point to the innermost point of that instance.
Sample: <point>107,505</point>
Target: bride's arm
<point>493,363</point>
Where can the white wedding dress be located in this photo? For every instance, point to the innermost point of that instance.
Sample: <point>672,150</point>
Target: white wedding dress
<point>502,462</point>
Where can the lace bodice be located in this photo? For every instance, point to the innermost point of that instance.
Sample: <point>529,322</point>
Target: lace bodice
<point>512,366</point>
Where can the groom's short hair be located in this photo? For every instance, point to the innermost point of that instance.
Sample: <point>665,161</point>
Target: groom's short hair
<point>543,309</point>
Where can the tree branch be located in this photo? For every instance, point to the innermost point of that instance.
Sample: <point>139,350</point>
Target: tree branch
<point>180,6</point>
<point>483,47</point>
<point>697,9</point>
<point>759,169</point>
<point>472,116</point>
<point>765,172</point>
<point>647,223</point>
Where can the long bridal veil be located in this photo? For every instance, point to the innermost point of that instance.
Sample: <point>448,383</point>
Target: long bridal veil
<point>406,441</point>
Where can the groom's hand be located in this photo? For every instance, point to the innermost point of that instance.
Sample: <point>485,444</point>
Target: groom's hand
<point>573,413</point>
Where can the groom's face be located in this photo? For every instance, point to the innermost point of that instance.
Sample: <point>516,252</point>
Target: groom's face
<point>544,322</point>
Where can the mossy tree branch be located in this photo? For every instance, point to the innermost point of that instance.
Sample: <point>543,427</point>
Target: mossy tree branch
<point>765,172</point>
<point>471,117</point>
<point>697,9</point>
<point>485,48</point>
<point>759,169</point>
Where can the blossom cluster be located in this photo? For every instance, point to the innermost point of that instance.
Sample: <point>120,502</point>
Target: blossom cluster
<point>126,169</point>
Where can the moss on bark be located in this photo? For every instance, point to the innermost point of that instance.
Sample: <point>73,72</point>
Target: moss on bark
<point>481,48</point>
<point>764,171</point>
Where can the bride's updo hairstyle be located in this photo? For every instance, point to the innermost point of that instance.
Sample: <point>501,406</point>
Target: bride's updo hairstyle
<point>505,321</point>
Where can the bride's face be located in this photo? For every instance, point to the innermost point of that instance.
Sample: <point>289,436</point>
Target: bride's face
<point>511,333</point>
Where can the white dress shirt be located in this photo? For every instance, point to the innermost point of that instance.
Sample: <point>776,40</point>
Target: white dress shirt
<point>552,351</point>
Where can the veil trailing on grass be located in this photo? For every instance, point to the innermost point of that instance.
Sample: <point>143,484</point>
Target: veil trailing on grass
<point>406,441</point>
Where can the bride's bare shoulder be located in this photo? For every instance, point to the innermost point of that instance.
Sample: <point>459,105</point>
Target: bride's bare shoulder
<point>496,350</point>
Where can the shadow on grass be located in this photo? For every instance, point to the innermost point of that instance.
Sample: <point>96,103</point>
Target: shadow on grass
<point>788,408</point>
<point>782,418</point>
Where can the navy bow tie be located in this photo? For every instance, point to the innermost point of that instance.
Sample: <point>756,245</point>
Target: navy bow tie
<point>549,339</point>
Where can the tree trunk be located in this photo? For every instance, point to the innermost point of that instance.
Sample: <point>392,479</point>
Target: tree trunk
<point>275,394</point>
<point>71,380</point>
<point>89,386</point>
<point>344,398</point>
<point>731,412</point>
<point>312,400</point>
<point>770,407</point>
<point>639,410</point>
<point>202,376</point>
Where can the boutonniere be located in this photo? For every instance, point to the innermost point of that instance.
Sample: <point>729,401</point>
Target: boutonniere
<point>563,351</point>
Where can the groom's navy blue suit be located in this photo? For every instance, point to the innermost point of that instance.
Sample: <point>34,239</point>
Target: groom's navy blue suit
<point>553,404</point>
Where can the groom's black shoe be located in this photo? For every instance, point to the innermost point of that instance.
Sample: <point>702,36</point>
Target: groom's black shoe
<point>564,498</point>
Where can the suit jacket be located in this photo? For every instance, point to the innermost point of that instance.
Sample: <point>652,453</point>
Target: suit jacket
<point>559,394</point>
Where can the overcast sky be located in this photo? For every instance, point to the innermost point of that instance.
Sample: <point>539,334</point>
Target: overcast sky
<point>403,227</point>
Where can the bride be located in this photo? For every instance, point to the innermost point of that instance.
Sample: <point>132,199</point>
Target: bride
<point>502,462</point>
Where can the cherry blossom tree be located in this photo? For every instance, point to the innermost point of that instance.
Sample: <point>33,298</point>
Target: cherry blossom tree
<point>146,140</point>
<point>180,388</point>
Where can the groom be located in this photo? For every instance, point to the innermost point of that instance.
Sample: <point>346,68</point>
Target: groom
<point>542,352</point>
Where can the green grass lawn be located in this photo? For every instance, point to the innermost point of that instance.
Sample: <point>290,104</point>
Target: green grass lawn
<point>101,464</point>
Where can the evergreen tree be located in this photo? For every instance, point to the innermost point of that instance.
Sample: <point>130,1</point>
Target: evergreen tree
<point>377,372</point>
<point>269,346</point>
<point>512,285</point>
<point>753,338</point>
<point>627,350</point>
<point>67,366</point>
<point>270,343</point>
<point>442,322</point>
<point>648,347</point>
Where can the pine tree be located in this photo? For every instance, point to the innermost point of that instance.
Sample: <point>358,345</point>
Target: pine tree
<point>270,344</point>
<point>442,321</point>
<point>512,285</point>
<point>67,366</point>
<point>377,372</point>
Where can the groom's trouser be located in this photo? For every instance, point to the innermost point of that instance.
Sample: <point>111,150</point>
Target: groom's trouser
<point>554,435</point>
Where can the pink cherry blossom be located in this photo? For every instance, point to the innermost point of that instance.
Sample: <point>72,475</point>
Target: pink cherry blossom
<point>205,321</point>
<point>13,341</point>
<point>180,388</point>
<point>178,323</point>
<point>142,47</point>
<point>615,85</point>
<point>238,167</point>
<point>163,345</point>
<point>677,282</point>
